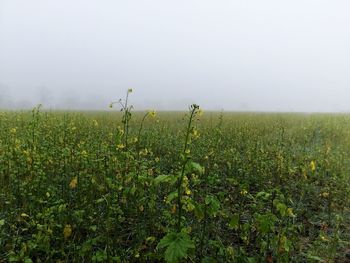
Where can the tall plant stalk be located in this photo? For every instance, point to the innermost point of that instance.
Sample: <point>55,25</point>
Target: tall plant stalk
<point>193,110</point>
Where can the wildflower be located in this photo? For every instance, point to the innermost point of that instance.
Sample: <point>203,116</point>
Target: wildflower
<point>120,130</point>
<point>48,194</point>
<point>324,238</point>
<point>157,159</point>
<point>13,130</point>
<point>152,113</point>
<point>290,212</point>
<point>67,231</point>
<point>144,152</point>
<point>325,194</point>
<point>244,192</point>
<point>313,166</point>
<point>120,146</point>
<point>141,208</point>
<point>73,183</point>
<point>188,191</point>
<point>187,151</point>
<point>195,134</point>
<point>84,153</point>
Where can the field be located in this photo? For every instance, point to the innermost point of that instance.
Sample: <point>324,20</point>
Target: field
<point>174,186</point>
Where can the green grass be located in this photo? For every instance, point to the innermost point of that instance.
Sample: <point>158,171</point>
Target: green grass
<point>246,187</point>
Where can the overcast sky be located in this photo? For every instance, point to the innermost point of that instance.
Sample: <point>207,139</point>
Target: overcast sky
<point>269,55</point>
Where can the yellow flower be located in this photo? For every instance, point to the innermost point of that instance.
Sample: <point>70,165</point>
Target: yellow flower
<point>152,113</point>
<point>67,231</point>
<point>325,194</point>
<point>313,166</point>
<point>144,152</point>
<point>120,146</point>
<point>73,183</point>
<point>324,238</point>
<point>173,209</point>
<point>195,134</point>
<point>188,191</point>
<point>244,192</point>
<point>120,130</point>
<point>290,212</point>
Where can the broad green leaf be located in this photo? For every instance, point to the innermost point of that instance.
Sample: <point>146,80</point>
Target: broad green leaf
<point>171,196</point>
<point>177,246</point>
<point>281,208</point>
<point>265,223</point>
<point>194,168</point>
<point>164,178</point>
<point>213,204</point>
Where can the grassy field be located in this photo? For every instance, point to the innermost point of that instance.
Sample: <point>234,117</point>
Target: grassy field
<point>174,187</point>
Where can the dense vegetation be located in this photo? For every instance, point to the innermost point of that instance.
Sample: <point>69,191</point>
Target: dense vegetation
<point>137,187</point>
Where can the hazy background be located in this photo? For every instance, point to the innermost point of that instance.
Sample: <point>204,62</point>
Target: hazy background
<point>268,55</point>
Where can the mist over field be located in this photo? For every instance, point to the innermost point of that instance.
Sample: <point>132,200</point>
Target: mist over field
<point>174,131</point>
<point>231,55</point>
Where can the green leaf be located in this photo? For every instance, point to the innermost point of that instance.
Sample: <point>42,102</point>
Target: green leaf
<point>315,258</point>
<point>213,204</point>
<point>266,222</point>
<point>199,212</point>
<point>100,256</point>
<point>234,222</point>
<point>194,168</point>
<point>172,196</point>
<point>282,208</point>
<point>164,178</point>
<point>177,246</point>
<point>2,222</point>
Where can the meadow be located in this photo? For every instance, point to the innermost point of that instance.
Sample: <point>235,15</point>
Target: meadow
<point>125,186</point>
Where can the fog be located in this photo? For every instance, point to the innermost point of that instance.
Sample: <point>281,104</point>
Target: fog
<point>247,55</point>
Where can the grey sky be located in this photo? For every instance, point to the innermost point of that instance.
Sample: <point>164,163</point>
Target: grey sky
<point>222,54</point>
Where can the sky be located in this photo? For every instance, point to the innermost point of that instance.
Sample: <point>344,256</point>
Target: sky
<point>232,55</point>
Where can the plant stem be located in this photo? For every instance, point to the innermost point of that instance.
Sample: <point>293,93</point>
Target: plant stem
<point>180,180</point>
